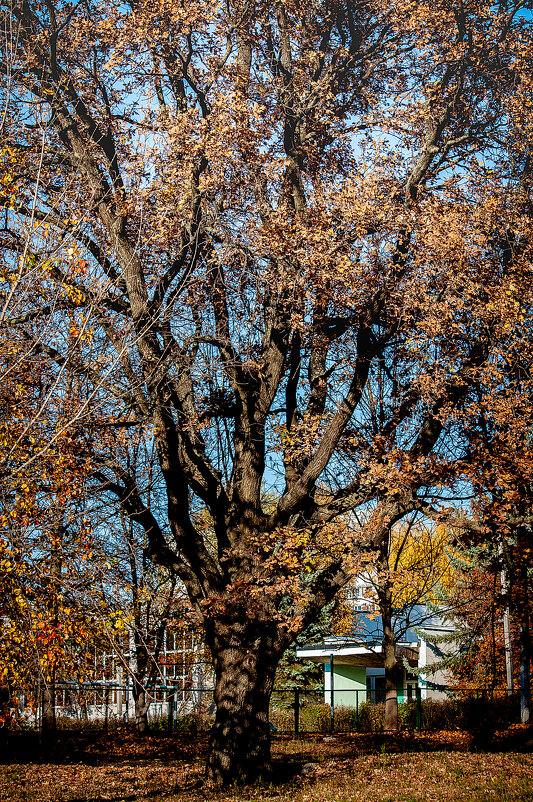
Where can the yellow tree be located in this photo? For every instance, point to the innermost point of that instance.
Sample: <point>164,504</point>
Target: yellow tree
<point>410,578</point>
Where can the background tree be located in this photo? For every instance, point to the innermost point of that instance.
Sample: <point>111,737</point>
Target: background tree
<point>46,628</point>
<point>497,537</point>
<point>249,214</point>
<point>413,572</point>
<point>407,583</point>
<point>477,601</point>
<point>137,606</point>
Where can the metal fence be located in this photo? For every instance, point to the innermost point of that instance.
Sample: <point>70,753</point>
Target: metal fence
<point>301,712</point>
<point>293,711</point>
<point>109,705</point>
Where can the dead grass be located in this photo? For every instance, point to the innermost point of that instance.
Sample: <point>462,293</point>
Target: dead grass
<point>358,768</point>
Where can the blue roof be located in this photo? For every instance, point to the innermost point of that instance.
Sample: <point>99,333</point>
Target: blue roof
<point>368,627</point>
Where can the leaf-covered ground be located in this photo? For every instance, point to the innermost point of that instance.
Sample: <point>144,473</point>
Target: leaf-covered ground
<point>361,768</point>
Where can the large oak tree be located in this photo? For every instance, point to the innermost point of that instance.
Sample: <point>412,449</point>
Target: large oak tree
<point>239,224</point>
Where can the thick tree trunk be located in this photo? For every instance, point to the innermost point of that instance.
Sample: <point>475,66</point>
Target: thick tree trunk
<point>239,747</point>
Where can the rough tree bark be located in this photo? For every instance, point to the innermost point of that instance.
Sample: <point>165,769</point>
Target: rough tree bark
<point>245,667</point>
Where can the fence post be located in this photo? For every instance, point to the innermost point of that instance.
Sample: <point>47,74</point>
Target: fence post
<point>418,709</point>
<point>296,714</point>
<point>38,708</point>
<point>332,691</point>
<point>170,713</point>
<point>357,711</point>
<point>119,691</point>
<point>106,710</point>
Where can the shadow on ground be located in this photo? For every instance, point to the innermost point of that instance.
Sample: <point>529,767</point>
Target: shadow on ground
<point>124,746</point>
<point>99,748</point>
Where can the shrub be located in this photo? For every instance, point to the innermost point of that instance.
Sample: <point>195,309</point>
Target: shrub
<point>479,716</point>
<point>315,718</point>
<point>347,719</point>
<point>193,722</point>
<point>371,717</point>
<point>407,715</point>
<point>470,714</point>
<point>281,719</point>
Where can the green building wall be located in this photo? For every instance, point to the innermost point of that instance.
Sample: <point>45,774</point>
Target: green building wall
<point>349,685</point>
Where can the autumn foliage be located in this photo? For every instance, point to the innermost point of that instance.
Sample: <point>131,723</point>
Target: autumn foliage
<point>287,247</point>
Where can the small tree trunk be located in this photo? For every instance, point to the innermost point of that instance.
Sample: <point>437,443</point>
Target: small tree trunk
<point>506,587</point>
<point>239,746</point>
<point>525,641</point>
<point>384,593</point>
<point>525,668</point>
<point>48,719</point>
<point>390,721</point>
<point>142,703</point>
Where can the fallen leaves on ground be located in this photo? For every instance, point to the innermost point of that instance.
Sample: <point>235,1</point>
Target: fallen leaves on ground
<point>355,768</point>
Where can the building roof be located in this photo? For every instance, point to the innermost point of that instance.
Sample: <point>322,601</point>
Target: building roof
<point>405,623</point>
<point>363,647</point>
<point>353,654</point>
